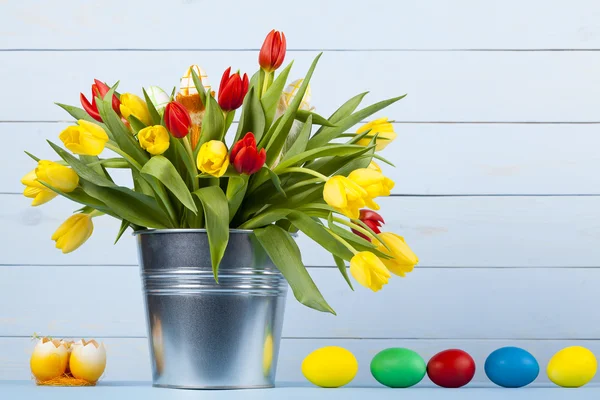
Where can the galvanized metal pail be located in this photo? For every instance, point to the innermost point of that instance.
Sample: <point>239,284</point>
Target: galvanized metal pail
<point>208,335</point>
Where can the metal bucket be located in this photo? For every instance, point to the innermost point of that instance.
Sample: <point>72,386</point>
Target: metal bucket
<point>205,335</point>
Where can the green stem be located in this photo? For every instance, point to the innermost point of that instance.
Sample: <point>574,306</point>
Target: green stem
<point>96,213</point>
<point>354,226</point>
<point>314,173</point>
<point>342,241</point>
<point>267,82</point>
<point>190,153</point>
<point>112,146</point>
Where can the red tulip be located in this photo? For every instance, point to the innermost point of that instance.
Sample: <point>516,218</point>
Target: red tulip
<point>245,157</point>
<point>232,90</point>
<point>372,219</point>
<point>99,89</point>
<point>177,119</point>
<point>272,51</point>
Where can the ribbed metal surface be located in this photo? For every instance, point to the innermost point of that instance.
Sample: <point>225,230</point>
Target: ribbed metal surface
<point>205,334</point>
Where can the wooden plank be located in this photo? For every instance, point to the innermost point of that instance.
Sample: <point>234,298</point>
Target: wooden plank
<point>447,303</point>
<point>429,158</point>
<point>129,359</point>
<point>443,231</point>
<point>339,24</point>
<point>471,86</point>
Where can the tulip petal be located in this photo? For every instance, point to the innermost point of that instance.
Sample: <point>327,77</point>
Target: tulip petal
<point>43,197</point>
<point>359,272</point>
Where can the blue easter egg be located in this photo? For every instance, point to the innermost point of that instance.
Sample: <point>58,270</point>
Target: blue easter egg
<point>511,367</point>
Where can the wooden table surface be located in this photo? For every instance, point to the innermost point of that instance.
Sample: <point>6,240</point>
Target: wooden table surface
<point>14,390</point>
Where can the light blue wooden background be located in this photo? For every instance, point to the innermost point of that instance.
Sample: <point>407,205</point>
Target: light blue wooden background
<point>497,155</point>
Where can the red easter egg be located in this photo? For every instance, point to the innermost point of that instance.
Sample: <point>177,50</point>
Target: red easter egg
<point>451,368</point>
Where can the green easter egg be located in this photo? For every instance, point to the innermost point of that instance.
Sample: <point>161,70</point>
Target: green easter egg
<point>398,368</point>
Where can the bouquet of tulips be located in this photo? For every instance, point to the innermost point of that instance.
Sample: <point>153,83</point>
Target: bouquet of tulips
<point>277,177</point>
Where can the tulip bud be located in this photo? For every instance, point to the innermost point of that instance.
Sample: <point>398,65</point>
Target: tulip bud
<point>87,139</point>
<point>345,196</point>
<point>74,232</point>
<point>245,157</point>
<point>99,89</point>
<point>232,90</point>
<point>212,158</point>
<point>56,175</point>
<point>403,258</point>
<point>134,105</point>
<point>380,127</point>
<point>369,270</point>
<point>154,139</point>
<point>272,51</point>
<point>372,219</point>
<point>177,119</point>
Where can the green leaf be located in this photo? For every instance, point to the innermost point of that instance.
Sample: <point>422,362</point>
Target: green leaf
<point>122,229</point>
<point>342,267</point>
<point>276,181</point>
<point>119,132</point>
<point>329,133</point>
<point>154,114</point>
<point>277,141</point>
<point>216,212</point>
<point>301,141</point>
<point>140,209</point>
<point>199,87</point>
<point>236,190</point>
<point>325,151</point>
<point>32,156</point>
<point>253,117</point>
<point>133,206</point>
<point>213,123</point>
<point>81,197</point>
<point>161,168</point>
<point>285,254</point>
<point>303,115</point>
<point>319,234</point>
<point>228,121</point>
<point>347,108</point>
<point>266,218</point>
<point>79,113</point>
<point>136,124</point>
<point>270,99</point>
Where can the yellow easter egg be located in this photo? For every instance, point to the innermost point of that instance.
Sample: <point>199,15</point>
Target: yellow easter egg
<point>572,367</point>
<point>330,367</point>
<point>49,359</point>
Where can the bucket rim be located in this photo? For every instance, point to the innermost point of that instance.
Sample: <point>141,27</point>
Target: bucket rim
<point>152,231</point>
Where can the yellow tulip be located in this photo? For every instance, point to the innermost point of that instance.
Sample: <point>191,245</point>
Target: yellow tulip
<point>373,182</point>
<point>154,139</point>
<point>344,195</point>
<point>35,190</point>
<point>134,105</point>
<point>73,232</point>
<point>383,128</point>
<point>87,138</point>
<point>56,175</point>
<point>404,260</point>
<point>213,158</point>
<point>369,271</point>
<point>374,166</point>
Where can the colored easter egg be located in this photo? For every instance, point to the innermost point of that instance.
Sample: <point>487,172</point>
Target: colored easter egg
<point>398,368</point>
<point>572,367</point>
<point>511,367</point>
<point>330,367</point>
<point>451,368</point>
